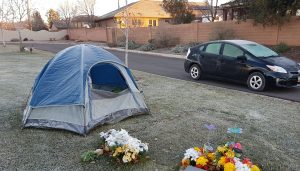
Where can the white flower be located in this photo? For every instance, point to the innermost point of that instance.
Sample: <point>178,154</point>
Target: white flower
<point>239,166</point>
<point>191,153</point>
<point>120,138</point>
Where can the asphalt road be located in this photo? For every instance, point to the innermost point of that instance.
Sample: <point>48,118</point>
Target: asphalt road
<point>173,67</point>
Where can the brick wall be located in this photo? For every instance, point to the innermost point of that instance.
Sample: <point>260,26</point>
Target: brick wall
<point>93,34</point>
<point>198,32</point>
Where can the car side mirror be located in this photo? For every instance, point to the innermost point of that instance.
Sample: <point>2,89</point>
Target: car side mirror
<point>242,58</point>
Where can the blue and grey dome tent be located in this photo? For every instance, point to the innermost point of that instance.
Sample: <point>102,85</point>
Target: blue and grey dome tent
<point>81,87</point>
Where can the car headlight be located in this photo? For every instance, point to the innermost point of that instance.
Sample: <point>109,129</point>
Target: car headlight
<point>277,69</point>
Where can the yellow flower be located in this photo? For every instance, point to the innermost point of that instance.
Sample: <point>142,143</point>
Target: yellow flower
<point>201,161</point>
<point>211,156</point>
<point>255,168</point>
<point>221,149</point>
<point>230,154</point>
<point>197,149</point>
<point>117,151</point>
<point>229,167</point>
<point>222,161</point>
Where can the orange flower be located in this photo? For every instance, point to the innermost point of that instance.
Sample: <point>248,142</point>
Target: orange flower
<point>211,156</point>
<point>185,162</point>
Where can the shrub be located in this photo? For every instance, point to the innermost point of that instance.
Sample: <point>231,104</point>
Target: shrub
<point>147,47</point>
<point>25,39</point>
<point>281,47</point>
<point>111,44</point>
<point>131,44</point>
<point>67,37</point>
<point>184,48</point>
<point>221,33</point>
<point>164,41</point>
<point>14,40</point>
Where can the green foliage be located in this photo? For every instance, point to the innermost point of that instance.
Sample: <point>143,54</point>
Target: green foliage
<point>148,47</point>
<point>131,44</point>
<point>281,47</point>
<point>116,90</point>
<point>179,11</point>
<point>272,12</point>
<point>88,156</point>
<point>221,33</point>
<point>184,48</point>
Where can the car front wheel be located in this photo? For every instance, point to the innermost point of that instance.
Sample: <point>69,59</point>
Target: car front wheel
<point>256,81</point>
<point>195,72</point>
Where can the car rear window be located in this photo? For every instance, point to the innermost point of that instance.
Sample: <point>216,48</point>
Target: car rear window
<point>213,48</point>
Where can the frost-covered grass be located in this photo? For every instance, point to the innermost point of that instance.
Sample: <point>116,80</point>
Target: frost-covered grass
<point>179,111</point>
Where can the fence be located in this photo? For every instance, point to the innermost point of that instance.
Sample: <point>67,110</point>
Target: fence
<point>8,35</point>
<point>198,32</point>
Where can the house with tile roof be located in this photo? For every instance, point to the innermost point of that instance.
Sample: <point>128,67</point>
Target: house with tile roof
<point>143,13</point>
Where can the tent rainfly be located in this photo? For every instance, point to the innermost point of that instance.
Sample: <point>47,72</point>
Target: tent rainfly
<point>80,88</point>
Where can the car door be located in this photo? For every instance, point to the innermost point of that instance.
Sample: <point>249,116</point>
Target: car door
<point>210,58</point>
<point>231,63</point>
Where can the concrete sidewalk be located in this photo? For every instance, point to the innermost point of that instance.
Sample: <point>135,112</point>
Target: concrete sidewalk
<point>104,46</point>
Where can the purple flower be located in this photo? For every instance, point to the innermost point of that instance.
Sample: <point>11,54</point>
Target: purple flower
<point>234,130</point>
<point>210,127</point>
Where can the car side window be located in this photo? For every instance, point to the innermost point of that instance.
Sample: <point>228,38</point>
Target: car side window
<point>232,51</point>
<point>213,48</point>
<point>201,48</point>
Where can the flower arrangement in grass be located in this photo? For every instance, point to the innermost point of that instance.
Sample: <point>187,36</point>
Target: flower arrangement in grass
<point>225,158</point>
<point>228,157</point>
<point>119,145</point>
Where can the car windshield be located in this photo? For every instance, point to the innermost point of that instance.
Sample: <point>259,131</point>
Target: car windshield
<point>259,50</point>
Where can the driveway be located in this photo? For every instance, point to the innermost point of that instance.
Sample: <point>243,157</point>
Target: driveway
<point>173,67</point>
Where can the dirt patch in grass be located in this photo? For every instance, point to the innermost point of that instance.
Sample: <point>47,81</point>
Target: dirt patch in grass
<point>178,111</point>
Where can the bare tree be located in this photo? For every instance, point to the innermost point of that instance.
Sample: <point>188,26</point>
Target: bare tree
<point>4,13</point>
<point>18,10</point>
<point>210,12</point>
<point>67,11</point>
<point>87,7</point>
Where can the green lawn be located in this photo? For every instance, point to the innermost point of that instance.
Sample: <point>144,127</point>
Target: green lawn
<point>178,111</point>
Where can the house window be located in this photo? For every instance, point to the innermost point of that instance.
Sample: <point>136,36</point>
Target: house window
<point>150,23</point>
<point>154,23</point>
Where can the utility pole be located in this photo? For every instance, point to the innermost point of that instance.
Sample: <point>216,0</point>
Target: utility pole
<point>126,34</point>
<point>118,4</point>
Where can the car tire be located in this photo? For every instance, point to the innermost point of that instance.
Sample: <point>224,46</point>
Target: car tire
<point>195,72</point>
<point>256,81</point>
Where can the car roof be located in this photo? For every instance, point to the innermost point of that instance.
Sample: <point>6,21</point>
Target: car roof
<point>237,42</point>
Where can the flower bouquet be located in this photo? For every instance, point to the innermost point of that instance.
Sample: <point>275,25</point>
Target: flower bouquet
<point>225,158</point>
<point>119,145</point>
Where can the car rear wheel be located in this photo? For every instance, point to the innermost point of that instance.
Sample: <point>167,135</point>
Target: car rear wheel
<point>256,81</point>
<point>195,72</point>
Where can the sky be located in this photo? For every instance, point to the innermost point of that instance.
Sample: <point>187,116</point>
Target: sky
<point>102,6</point>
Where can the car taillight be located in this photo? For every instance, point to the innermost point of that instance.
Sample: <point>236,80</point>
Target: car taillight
<point>188,53</point>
